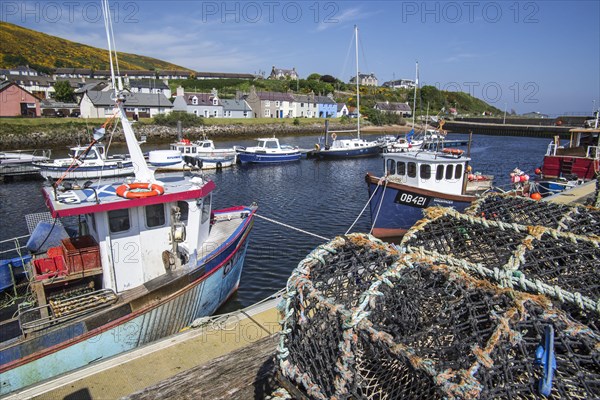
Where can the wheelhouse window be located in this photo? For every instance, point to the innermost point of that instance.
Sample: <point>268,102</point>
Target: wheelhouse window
<point>206,208</point>
<point>439,173</point>
<point>449,172</point>
<point>118,221</point>
<point>391,167</point>
<point>155,215</point>
<point>458,171</point>
<point>425,171</point>
<point>184,209</point>
<point>412,169</point>
<point>401,166</point>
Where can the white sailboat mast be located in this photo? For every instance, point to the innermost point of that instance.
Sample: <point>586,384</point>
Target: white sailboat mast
<point>142,172</point>
<point>357,84</point>
<point>415,94</point>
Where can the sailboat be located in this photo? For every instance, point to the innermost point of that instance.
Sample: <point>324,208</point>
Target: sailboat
<point>347,148</point>
<point>146,258</point>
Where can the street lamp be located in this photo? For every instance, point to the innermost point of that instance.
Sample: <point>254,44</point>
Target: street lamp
<point>504,121</point>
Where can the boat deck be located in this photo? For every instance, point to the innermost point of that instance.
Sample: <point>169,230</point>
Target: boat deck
<point>151,364</point>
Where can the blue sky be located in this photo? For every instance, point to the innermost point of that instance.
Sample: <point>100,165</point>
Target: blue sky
<point>527,56</point>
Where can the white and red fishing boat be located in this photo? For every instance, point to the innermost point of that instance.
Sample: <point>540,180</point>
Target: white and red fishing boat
<point>147,256</point>
<point>414,180</point>
<point>571,164</point>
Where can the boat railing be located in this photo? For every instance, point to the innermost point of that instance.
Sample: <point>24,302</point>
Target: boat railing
<point>13,246</point>
<point>60,310</point>
<point>593,152</point>
<point>551,151</point>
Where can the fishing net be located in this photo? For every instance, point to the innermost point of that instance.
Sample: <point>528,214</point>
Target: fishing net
<point>539,260</point>
<point>363,321</point>
<point>525,211</point>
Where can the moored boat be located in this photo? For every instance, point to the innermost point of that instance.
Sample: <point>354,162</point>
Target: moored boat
<point>204,154</point>
<point>268,150</point>
<point>86,162</point>
<point>416,180</point>
<point>570,165</point>
<point>145,259</point>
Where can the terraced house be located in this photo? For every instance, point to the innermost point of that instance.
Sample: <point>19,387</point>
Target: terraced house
<point>270,104</point>
<point>206,105</point>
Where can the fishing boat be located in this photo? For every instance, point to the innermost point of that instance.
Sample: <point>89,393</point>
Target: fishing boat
<point>416,180</point>
<point>566,166</point>
<point>204,154</point>
<point>346,148</point>
<point>268,150</point>
<point>86,162</point>
<point>145,258</point>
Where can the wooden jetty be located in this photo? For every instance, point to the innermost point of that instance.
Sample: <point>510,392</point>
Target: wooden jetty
<point>508,129</point>
<point>11,171</point>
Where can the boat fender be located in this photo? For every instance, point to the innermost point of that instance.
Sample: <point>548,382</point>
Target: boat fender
<point>219,166</point>
<point>317,147</point>
<point>139,190</point>
<point>333,136</point>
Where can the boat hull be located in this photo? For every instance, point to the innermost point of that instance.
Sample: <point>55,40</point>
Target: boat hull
<point>267,158</point>
<point>395,208</point>
<point>126,326</point>
<point>346,153</point>
<point>85,172</point>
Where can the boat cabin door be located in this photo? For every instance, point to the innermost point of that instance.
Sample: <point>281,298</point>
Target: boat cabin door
<point>125,248</point>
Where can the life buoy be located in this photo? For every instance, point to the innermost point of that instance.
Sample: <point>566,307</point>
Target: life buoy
<point>333,136</point>
<point>139,190</point>
<point>455,152</point>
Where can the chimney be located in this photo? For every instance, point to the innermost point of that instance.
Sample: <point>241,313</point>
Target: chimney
<point>180,91</point>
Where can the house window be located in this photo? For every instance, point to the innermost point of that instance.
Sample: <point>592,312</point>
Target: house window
<point>391,166</point>
<point>439,173</point>
<point>155,215</point>
<point>245,114</point>
<point>194,101</point>
<point>458,171</point>
<point>425,172</point>
<point>216,113</point>
<point>196,113</point>
<point>267,113</point>
<point>206,113</point>
<point>449,172</point>
<point>277,103</point>
<point>215,102</point>
<point>401,168</point>
<point>412,169</point>
<point>267,103</point>
<point>118,220</point>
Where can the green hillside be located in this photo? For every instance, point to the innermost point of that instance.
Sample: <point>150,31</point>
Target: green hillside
<point>22,46</point>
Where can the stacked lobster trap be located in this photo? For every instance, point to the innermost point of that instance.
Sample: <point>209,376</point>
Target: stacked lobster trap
<point>362,320</point>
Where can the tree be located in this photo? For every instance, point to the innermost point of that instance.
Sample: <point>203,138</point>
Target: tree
<point>313,77</point>
<point>328,79</point>
<point>64,92</point>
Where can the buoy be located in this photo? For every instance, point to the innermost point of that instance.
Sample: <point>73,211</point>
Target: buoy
<point>538,171</point>
<point>535,196</point>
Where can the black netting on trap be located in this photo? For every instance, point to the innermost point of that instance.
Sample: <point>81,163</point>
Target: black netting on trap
<point>525,211</point>
<point>422,330</point>
<point>537,259</point>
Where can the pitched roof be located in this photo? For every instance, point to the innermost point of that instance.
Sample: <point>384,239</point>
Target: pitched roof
<point>148,83</point>
<point>218,75</point>
<point>273,96</point>
<point>4,85</point>
<point>385,106</point>
<point>324,100</point>
<point>204,99</point>
<point>133,99</point>
<point>340,106</point>
<point>304,98</point>
<point>235,105</point>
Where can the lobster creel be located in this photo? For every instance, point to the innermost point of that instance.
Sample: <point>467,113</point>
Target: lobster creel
<point>363,321</point>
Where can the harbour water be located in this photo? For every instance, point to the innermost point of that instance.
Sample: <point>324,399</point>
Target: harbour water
<point>319,197</point>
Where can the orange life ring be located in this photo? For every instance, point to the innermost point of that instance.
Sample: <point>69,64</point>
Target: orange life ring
<point>139,190</point>
<point>456,152</point>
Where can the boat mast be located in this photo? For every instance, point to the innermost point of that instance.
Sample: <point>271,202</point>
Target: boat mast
<point>357,84</point>
<point>142,172</point>
<point>415,95</point>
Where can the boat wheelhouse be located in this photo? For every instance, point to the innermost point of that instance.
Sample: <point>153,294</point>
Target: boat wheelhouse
<point>416,180</point>
<point>268,150</point>
<point>86,162</point>
<point>565,166</point>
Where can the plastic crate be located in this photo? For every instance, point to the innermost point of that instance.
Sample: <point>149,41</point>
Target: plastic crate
<point>49,267</point>
<point>81,253</point>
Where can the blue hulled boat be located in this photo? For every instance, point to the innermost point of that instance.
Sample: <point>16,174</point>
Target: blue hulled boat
<point>416,180</point>
<point>268,150</point>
